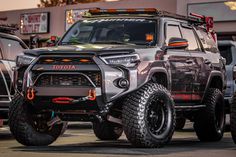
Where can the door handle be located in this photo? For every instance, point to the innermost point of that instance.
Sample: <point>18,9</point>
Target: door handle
<point>189,61</point>
<point>207,62</point>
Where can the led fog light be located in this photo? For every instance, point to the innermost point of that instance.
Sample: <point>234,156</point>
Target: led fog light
<point>123,83</point>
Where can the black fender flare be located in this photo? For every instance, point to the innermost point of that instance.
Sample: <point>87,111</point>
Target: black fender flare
<point>160,70</point>
<point>211,76</point>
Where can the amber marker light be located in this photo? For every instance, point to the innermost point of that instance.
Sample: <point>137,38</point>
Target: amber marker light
<point>84,60</point>
<point>66,60</point>
<point>131,10</point>
<point>178,44</point>
<point>111,10</point>
<point>150,10</point>
<point>149,37</point>
<point>93,11</point>
<point>49,60</point>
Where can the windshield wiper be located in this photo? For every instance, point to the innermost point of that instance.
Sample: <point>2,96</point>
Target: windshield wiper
<point>112,42</point>
<point>71,42</point>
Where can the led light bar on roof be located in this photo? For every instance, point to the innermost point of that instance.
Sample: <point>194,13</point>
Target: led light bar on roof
<point>149,11</point>
<point>99,11</point>
<point>146,11</point>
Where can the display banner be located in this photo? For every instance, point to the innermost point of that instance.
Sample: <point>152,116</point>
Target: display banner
<point>34,23</point>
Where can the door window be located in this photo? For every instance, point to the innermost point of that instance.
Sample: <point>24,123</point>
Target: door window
<point>190,36</point>
<point>207,41</point>
<point>172,31</point>
<point>10,48</point>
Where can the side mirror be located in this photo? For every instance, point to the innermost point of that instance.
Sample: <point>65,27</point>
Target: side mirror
<point>177,43</point>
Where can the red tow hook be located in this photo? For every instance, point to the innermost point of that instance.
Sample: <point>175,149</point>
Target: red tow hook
<point>63,100</point>
<point>92,94</point>
<point>30,94</point>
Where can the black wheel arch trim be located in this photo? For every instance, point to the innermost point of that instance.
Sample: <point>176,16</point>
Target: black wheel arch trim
<point>213,74</point>
<point>160,70</point>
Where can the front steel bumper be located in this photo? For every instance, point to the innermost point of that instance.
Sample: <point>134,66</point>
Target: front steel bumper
<point>107,93</point>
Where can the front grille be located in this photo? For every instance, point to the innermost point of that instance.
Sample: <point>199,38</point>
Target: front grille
<point>69,80</point>
<point>65,60</point>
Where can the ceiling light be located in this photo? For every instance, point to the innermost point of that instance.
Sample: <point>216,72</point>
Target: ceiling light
<point>231,5</point>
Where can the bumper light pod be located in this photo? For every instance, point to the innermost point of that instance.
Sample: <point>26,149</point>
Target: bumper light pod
<point>123,83</point>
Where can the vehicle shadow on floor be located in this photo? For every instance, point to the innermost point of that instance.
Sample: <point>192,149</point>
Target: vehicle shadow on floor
<point>123,147</point>
<point>5,136</point>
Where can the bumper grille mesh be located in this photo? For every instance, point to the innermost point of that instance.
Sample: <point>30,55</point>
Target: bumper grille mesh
<point>69,80</point>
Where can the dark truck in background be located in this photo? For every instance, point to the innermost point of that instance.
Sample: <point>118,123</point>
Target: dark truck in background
<point>131,70</point>
<point>228,51</point>
<point>10,47</point>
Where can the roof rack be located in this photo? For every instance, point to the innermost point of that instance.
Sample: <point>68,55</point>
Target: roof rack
<point>10,29</point>
<point>146,11</point>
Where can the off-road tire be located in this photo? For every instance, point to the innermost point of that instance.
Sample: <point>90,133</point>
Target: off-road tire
<point>210,121</point>
<point>107,131</point>
<point>180,123</point>
<point>22,129</point>
<point>135,116</point>
<point>233,121</point>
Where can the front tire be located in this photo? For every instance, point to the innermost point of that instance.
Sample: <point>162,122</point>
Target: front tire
<point>210,121</point>
<point>149,116</point>
<point>107,131</point>
<point>24,128</point>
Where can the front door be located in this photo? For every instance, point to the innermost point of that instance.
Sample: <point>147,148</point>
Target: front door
<point>181,76</point>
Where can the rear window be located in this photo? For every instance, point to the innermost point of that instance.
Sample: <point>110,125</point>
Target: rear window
<point>207,40</point>
<point>225,52</point>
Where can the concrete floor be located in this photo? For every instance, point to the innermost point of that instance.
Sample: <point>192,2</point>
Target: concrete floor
<point>79,140</point>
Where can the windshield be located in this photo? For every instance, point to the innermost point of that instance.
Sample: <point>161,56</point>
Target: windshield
<point>112,31</point>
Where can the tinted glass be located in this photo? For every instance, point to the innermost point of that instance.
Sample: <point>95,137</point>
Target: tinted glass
<point>116,31</point>
<point>225,52</point>
<point>10,48</point>
<point>172,31</point>
<point>207,40</point>
<point>190,36</point>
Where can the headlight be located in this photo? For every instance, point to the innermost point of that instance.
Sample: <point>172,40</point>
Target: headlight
<point>24,60</point>
<point>125,60</point>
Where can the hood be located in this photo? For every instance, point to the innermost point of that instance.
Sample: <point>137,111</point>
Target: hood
<point>91,49</point>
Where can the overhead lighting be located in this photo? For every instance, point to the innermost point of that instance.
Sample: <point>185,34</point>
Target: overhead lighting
<point>231,5</point>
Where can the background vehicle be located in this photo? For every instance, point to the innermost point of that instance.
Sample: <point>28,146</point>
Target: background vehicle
<point>233,122</point>
<point>228,51</point>
<point>135,70</point>
<point>10,47</point>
